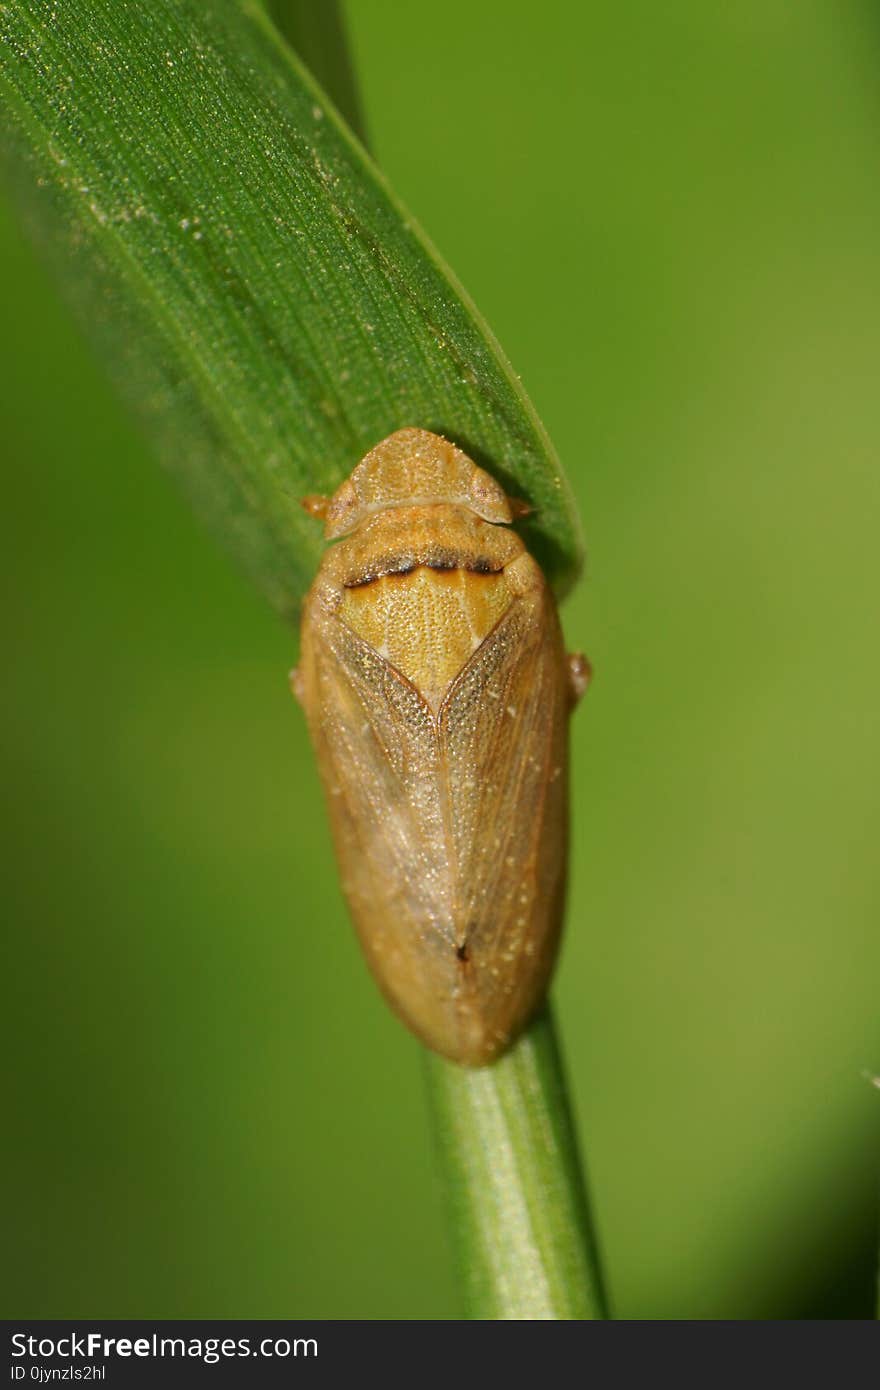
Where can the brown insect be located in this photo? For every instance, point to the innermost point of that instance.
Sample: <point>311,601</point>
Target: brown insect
<point>437,693</point>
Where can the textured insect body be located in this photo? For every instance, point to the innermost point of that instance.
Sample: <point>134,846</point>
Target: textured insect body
<point>437,692</point>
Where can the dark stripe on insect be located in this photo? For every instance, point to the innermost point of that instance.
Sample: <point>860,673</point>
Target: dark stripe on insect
<point>480,565</point>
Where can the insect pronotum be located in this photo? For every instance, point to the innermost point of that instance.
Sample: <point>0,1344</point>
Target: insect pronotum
<point>437,693</point>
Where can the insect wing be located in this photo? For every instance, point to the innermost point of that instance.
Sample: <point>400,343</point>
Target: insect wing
<point>378,754</point>
<point>449,831</point>
<point>503,735</point>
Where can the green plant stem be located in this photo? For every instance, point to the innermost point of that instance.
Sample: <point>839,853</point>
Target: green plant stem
<point>524,1239</point>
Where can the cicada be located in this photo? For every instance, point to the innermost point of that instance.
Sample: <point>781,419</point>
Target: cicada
<point>437,692</point>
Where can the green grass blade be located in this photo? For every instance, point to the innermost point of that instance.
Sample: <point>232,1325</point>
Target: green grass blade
<point>522,1230</point>
<point>262,299</point>
<point>317,35</point>
<point>271,312</point>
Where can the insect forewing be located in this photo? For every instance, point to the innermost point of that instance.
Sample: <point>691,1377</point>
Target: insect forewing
<point>449,830</point>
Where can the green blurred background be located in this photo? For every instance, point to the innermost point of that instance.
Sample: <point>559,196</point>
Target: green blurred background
<point>670,216</point>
